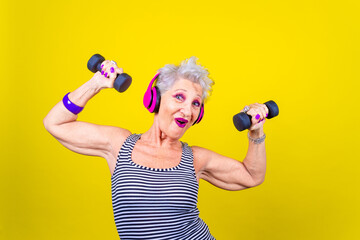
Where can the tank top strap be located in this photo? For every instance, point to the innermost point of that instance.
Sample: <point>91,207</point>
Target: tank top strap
<point>132,139</point>
<point>187,157</point>
<point>128,145</point>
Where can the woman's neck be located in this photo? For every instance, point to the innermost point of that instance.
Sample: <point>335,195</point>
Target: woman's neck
<point>156,137</point>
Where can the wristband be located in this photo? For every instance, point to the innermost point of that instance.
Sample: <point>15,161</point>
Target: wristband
<point>72,107</point>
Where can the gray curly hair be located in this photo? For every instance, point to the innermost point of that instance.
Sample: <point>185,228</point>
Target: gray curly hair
<point>188,69</point>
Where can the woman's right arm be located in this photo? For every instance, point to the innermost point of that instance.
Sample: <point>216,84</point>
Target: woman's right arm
<point>82,137</point>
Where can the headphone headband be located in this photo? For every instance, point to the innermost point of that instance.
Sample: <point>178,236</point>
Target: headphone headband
<point>153,80</point>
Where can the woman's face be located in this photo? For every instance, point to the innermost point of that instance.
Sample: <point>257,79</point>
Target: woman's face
<point>179,108</point>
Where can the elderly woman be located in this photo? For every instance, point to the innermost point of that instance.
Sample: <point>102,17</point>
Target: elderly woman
<point>154,176</point>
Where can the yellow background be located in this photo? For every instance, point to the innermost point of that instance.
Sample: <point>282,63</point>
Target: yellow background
<point>302,54</point>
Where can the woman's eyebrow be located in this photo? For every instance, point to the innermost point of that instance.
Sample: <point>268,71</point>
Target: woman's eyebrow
<point>186,91</point>
<point>181,89</point>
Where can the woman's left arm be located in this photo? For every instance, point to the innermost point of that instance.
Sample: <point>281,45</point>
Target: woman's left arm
<point>231,174</point>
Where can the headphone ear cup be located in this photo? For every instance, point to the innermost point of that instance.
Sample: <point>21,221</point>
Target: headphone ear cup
<point>147,99</point>
<point>201,115</point>
<point>151,96</point>
<point>157,99</point>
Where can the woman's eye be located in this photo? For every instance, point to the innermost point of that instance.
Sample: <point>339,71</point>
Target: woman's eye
<point>196,103</point>
<point>179,97</point>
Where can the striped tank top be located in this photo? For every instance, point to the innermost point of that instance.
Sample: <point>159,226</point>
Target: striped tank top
<point>156,203</point>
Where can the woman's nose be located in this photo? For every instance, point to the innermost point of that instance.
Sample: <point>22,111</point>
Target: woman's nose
<point>186,110</point>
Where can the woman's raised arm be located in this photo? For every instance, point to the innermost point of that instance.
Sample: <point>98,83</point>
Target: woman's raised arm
<point>228,173</point>
<point>82,137</point>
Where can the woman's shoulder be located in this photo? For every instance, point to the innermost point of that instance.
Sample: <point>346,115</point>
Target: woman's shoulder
<point>201,157</point>
<point>116,136</point>
<point>199,151</point>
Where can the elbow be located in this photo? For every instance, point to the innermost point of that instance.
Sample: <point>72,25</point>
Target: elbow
<point>258,182</point>
<point>47,124</point>
<point>251,183</point>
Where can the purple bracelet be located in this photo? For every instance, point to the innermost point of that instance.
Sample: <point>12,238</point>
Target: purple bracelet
<point>71,106</point>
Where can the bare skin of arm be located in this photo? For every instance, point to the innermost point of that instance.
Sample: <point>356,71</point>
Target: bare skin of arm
<point>231,174</point>
<point>83,137</point>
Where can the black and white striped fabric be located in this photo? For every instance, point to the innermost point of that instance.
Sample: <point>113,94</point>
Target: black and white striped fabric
<point>150,203</point>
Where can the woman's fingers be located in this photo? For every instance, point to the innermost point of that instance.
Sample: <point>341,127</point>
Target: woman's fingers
<point>104,66</point>
<point>119,70</point>
<point>114,71</point>
<point>108,67</point>
<point>111,74</point>
<point>258,113</point>
<point>263,110</point>
<point>110,70</point>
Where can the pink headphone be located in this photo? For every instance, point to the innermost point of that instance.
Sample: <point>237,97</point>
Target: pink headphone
<point>152,100</point>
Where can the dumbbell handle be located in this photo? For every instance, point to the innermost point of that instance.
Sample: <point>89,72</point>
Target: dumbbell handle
<point>122,81</point>
<point>242,120</point>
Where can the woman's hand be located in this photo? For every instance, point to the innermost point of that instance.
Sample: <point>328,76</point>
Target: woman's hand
<point>258,113</point>
<point>106,78</point>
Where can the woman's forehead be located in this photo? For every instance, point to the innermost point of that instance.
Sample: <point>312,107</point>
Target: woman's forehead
<point>187,86</point>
